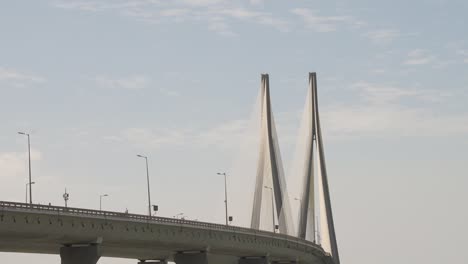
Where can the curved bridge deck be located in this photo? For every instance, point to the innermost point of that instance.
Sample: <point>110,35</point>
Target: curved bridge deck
<point>45,229</point>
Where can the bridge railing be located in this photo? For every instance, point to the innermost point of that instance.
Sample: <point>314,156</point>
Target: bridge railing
<point>155,219</point>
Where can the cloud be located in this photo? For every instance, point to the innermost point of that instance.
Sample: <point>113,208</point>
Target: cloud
<point>155,138</point>
<point>80,5</point>
<point>322,23</point>
<point>419,57</point>
<point>464,54</point>
<point>256,2</point>
<point>225,135</point>
<point>221,28</point>
<point>375,93</point>
<point>383,111</point>
<point>203,2</point>
<point>217,15</point>
<point>14,164</point>
<point>169,92</point>
<point>134,82</point>
<point>346,122</point>
<point>17,78</point>
<point>383,36</point>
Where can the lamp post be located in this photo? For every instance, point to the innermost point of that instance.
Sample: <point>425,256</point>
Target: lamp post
<point>147,179</point>
<point>29,158</point>
<point>225,194</point>
<point>177,215</point>
<point>27,190</point>
<point>100,200</point>
<point>66,197</point>
<point>272,207</point>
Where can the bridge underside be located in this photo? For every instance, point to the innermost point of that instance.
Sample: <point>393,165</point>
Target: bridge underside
<point>90,254</point>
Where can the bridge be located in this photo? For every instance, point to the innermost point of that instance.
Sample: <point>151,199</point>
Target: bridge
<point>91,233</point>
<point>82,236</point>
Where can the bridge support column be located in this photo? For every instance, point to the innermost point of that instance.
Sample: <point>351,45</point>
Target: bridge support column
<point>192,258</point>
<point>254,260</point>
<point>80,254</point>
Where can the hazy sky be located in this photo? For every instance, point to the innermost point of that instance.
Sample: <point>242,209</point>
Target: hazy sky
<point>97,82</point>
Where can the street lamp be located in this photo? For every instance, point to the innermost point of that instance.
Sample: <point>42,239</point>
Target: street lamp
<point>27,190</point>
<point>100,200</point>
<point>225,194</point>
<point>272,207</point>
<point>29,155</point>
<point>177,215</point>
<point>147,179</point>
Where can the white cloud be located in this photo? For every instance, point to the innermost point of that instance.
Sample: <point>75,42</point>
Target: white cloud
<point>228,134</point>
<point>390,121</point>
<point>175,12</point>
<point>134,82</point>
<point>322,23</point>
<point>256,2</point>
<point>221,28</point>
<point>381,94</point>
<point>80,5</point>
<point>146,137</point>
<point>381,113</point>
<point>384,36</point>
<point>203,2</point>
<point>225,135</point>
<point>169,92</point>
<point>419,57</point>
<point>17,78</point>
<point>14,164</point>
<point>464,54</point>
<point>217,15</point>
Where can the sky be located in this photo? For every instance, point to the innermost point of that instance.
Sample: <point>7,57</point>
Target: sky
<point>96,82</point>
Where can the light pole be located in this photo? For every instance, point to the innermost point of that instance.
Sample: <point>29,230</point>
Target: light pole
<point>100,200</point>
<point>177,215</point>
<point>27,190</point>
<point>147,179</point>
<point>272,208</point>
<point>225,194</point>
<point>29,155</point>
<point>66,197</point>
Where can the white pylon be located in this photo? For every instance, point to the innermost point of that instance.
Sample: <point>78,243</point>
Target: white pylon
<point>314,143</point>
<point>270,165</point>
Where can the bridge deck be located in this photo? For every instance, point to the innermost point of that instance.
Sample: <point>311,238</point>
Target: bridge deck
<point>44,229</point>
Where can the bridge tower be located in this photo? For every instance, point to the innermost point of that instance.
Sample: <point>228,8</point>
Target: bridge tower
<point>270,168</point>
<point>315,152</point>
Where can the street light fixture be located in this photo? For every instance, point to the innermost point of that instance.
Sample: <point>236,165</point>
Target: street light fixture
<point>100,200</point>
<point>147,179</point>
<point>29,158</point>
<point>225,194</point>
<point>27,190</point>
<point>272,207</point>
<point>177,215</point>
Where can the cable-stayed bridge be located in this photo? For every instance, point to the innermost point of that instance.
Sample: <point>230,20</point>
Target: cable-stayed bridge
<point>82,236</point>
